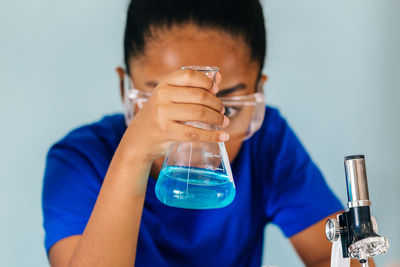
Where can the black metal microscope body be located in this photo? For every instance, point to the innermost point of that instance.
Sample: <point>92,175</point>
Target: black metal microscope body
<point>357,229</point>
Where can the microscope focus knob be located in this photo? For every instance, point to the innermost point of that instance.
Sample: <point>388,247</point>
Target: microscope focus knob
<point>332,230</point>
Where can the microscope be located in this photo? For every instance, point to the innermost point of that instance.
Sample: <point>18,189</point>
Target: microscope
<point>354,233</point>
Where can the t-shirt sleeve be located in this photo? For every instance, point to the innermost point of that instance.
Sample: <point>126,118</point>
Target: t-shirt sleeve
<point>70,191</point>
<point>298,195</point>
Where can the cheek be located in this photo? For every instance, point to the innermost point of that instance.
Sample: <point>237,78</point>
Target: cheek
<point>232,148</point>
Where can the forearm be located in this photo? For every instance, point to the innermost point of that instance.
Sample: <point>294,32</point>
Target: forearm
<point>110,237</point>
<point>353,263</point>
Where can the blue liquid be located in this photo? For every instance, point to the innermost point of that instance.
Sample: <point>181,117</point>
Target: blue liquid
<point>205,189</point>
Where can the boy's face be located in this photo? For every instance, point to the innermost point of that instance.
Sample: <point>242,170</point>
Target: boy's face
<point>170,49</point>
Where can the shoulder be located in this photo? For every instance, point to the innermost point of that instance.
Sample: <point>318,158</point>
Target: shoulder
<point>106,131</point>
<point>89,145</point>
<point>273,122</point>
<point>109,127</point>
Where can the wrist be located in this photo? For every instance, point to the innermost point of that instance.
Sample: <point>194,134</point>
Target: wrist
<point>132,151</point>
<point>129,170</point>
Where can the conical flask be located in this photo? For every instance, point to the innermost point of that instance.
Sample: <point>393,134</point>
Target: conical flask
<point>197,175</point>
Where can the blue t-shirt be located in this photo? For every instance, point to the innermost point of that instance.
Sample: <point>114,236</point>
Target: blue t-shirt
<point>276,182</point>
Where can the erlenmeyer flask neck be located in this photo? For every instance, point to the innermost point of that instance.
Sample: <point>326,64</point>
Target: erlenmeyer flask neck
<point>209,71</point>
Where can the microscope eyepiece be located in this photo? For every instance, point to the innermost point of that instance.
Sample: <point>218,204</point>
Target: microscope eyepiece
<point>354,157</point>
<point>356,181</point>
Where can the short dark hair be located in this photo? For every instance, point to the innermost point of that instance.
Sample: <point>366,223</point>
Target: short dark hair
<point>238,17</point>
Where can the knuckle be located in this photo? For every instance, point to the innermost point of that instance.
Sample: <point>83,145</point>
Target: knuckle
<point>203,96</point>
<point>163,130</point>
<point>162,126</point>
<point>188,74</point>
<point>201,113</point>
<point>160,93</point>
<point>160,110</point>
<point>192,135</point>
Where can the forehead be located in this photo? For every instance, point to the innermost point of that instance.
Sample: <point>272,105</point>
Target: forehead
<point>169,49</point>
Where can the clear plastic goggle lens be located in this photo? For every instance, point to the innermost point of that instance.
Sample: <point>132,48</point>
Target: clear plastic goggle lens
<point>246,113</point>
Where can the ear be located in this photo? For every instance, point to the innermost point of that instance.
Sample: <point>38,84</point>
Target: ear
<point>121,74</point>
<point>263,79</point>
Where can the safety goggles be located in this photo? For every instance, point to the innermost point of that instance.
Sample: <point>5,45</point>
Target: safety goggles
<point>245,112</point>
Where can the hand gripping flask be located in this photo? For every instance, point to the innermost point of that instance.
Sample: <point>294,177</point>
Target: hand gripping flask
<point>197,175</point>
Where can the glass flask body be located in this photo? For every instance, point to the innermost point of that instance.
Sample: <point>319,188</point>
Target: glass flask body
<point>196,175</point>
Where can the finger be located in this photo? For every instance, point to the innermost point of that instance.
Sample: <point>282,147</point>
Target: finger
<point>195,112</point>
<point>188,78</point>
<point>218,78</point>
<point>187,133</point>
<point>191,95</point>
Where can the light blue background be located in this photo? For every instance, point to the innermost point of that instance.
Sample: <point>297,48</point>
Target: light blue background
<point>333,71</point>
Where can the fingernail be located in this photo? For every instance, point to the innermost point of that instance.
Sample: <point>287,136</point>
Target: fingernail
<point>215,88</point>
<point>224,137</point>
<point>226,121</point>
